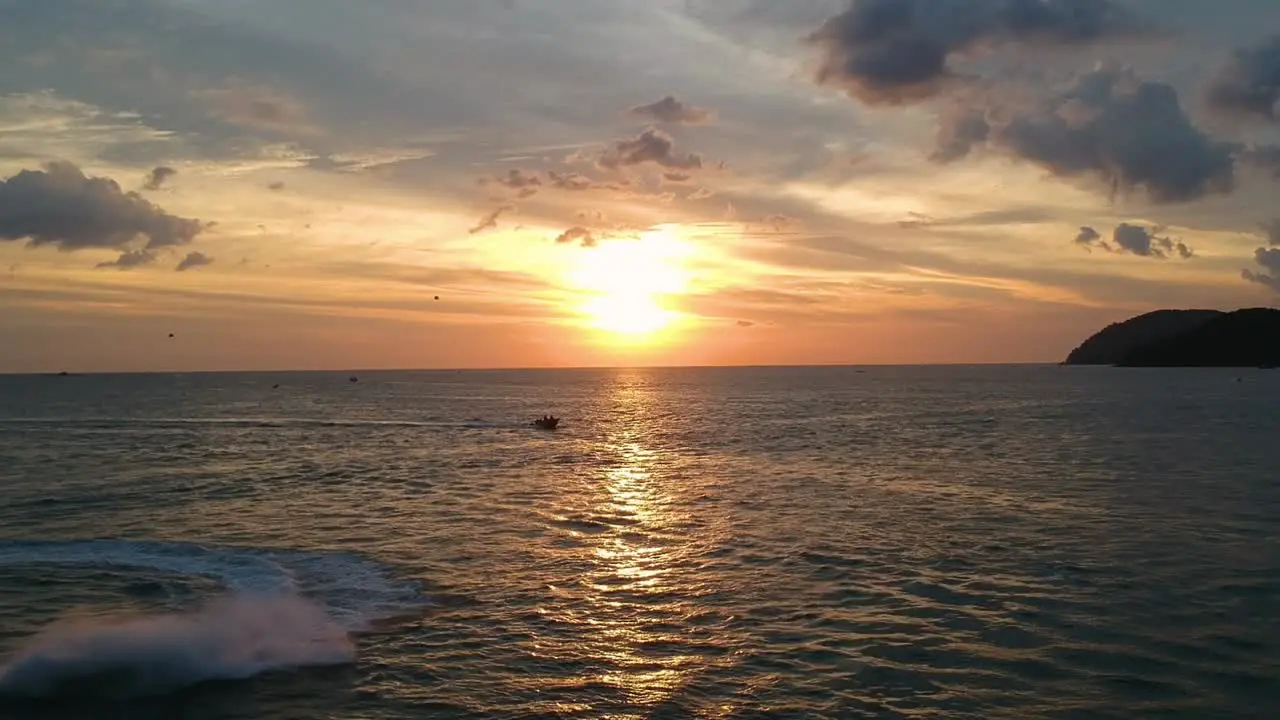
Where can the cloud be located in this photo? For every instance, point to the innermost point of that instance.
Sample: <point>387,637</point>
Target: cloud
<point>1135,240</point>
<point>61,207</point>
<point>525,184</point>
<point>1270,281</point>
<point>277,186</point>
<point>577,182</point>
<point>672,111</point>
<point>1088,237</point>
<point>157,177</point>
<point>1263,157</point>
<point>893,52</point>
<point>1249,85</point>
<point>490,220</point>
<point>570,181</point>
<point>1130,134</point>
<point>650,146</point>
<point>576,234</point>
<point>130,259</point>
<point>745,324</point>
<point>1269,259</point>
<point>675,176</point>
<point>1138,240</point>
<point>517,179</point>
<point>255,106</point>
<point>1271,231</point>
<point>193,260</point>
<point>700,193</point>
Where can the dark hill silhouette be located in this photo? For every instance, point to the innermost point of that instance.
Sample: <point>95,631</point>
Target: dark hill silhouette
<point>1114,343</point>
<point>1244,338</point>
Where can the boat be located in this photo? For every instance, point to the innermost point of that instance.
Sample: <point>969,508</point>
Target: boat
<point>546,422</point>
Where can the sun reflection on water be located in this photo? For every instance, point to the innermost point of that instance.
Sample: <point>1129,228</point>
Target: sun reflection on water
<point>636,593</point>
<point>637,537</point>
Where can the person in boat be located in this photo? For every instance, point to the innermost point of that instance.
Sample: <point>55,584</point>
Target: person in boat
<point>547,421</point>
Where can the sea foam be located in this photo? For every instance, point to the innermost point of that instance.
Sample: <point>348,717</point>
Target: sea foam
<point>234,637</point>
<point>282,610</point>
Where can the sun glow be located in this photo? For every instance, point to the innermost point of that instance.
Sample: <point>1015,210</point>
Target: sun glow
<point>629,282</point>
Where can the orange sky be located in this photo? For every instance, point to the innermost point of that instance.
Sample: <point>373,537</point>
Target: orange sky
<point>294,187</point>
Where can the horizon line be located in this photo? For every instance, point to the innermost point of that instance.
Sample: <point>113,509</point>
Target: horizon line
<point>549,368</point>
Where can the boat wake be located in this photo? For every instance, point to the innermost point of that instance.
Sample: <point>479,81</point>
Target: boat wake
<point>231,638</point>
<point>281,610</point>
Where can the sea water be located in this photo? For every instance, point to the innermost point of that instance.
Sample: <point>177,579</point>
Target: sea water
<point>966,542</point>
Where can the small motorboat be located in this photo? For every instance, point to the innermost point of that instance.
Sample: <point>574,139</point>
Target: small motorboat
<point>547,422</point>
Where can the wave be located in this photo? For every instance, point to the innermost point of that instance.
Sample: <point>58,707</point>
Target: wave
<point>283,609</point>
<point>231,638</point>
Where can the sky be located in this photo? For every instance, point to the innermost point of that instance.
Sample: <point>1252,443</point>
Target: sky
<point>322,184</point>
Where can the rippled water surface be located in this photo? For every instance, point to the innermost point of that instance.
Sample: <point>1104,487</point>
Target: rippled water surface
<point>734,543</point>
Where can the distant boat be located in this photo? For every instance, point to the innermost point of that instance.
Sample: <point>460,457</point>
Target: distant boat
<point>547,422</point>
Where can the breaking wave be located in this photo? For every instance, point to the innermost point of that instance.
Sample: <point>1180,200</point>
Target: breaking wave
<point>282,610</point>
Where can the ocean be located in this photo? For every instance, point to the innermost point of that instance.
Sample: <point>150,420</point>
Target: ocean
<point>887,542</point>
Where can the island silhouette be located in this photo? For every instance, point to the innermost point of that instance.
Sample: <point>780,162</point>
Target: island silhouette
<point>1186,338</point>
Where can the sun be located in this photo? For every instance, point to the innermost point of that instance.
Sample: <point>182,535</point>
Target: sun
<point>628,283</point>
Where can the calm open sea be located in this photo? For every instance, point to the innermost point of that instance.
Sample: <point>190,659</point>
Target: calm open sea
<point>994,542</point>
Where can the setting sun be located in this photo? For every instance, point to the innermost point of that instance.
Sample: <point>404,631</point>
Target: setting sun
<point>627,280</point>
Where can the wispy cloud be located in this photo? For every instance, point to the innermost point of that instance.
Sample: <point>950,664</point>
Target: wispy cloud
<point>193,260</point>
<point>490,220</point>
<point>670,110</point>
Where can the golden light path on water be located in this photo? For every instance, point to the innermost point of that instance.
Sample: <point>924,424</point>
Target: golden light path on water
<point>638,611</point>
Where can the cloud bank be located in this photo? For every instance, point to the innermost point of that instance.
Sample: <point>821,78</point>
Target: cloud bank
<point>895,52</point>
<point>63,208</point>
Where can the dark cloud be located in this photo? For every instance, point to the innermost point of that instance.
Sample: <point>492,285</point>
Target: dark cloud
<point>517,179</point>
<point>1270,281</point>
<point>670,110</point>
<point>1271,231</point>
<point>490,220</point>
<point>278,185</point>
<point>1135,240</point>
<point>745,324</point>
<point>676,176</point>
<point>1138,240</point>
<point>130,259</point>
<point>1088,237</point>
<point>1269,260</point>
<point>193,260</point>
<point>1130,134</point>
<point>900,51</point>
<point>650,146</point>
<point>61,207</point>
<point>577,234</point>
<point>157,177</point>
<point>1249,85</point>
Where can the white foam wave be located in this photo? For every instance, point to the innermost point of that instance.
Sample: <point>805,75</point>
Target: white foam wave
<point>231,638</point>
<point>283,609</point>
